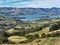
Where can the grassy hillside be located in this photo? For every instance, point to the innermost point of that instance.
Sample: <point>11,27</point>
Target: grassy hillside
<point>34,33</point>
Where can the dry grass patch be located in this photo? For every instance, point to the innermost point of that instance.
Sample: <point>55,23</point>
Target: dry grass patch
<point>17,39</point>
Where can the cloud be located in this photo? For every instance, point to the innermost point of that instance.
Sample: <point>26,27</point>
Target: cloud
<point>30,3</point>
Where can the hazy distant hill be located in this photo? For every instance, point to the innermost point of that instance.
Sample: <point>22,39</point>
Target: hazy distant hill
<point>29,11</point>
<point>37,13</point>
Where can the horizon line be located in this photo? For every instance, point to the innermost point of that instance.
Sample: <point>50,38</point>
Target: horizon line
<point>29,7</point>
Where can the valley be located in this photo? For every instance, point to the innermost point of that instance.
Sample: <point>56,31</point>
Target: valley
<point>36,32</point>
<point>30,26</point>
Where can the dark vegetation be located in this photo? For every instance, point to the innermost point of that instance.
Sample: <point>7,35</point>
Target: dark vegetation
<point>55,26</point>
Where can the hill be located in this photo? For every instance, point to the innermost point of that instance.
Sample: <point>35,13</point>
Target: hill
<point>8,11</point>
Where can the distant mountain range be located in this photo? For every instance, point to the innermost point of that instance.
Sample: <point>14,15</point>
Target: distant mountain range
<point>30,13</point>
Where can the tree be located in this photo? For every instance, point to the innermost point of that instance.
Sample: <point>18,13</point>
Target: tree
<point>54,27</point>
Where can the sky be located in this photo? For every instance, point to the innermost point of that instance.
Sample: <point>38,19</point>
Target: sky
<point>30,3</point>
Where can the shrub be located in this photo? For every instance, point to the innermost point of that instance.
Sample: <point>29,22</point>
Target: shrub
<point>32,37</point>
<point>3,40</point>
<point>36,35</point>
<point>57,33</point>
<point>54,27</point>
<point>43,35</point>
<point>48,35</point>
